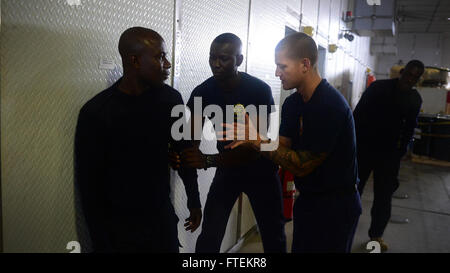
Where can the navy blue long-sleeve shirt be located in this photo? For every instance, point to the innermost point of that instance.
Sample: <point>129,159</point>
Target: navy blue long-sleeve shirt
<point>385,117</point>
<point>121,165</point>
<point>324,124</point>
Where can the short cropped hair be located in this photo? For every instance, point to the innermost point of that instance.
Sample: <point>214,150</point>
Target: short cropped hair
<point>231,38</point>
<point>131,40</point>
<point>298,46</point>
<point>415,63</point>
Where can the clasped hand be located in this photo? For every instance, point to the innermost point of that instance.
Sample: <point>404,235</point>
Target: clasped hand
<point>191,158</point>
<point>241,134</point>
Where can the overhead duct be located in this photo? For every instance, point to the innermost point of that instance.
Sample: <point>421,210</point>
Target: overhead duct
<point>374,20</point>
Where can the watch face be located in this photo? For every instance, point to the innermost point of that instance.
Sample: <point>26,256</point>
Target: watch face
<point>209,159</point>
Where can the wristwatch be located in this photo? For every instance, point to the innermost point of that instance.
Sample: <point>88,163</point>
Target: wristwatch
<point>210,161</point>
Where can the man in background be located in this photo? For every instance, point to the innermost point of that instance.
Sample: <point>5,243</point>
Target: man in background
<point>385,118</point>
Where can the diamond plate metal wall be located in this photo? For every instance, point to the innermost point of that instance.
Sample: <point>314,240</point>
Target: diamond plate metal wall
<point>50,54</point>
<point>267,28</point>
<point>201,21</point>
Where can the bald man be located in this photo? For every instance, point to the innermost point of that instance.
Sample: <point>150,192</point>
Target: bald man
<point>121,154</point>
<point>317,145</point>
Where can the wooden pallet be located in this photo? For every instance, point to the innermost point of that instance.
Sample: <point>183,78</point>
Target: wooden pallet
<point>428,160</point>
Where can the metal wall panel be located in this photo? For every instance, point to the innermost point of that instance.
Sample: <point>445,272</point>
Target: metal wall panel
<point>427,47</point>
<point>294,4</point>
<point>50,55</point>
<point>323,23</point>
<point>309,10</point>
<point>335,21</point>
<point>201,21</point>
<point>293,14</point>
<point>267,28</point>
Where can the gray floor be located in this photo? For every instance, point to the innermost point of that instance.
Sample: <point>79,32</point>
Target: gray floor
<point>427,209</point>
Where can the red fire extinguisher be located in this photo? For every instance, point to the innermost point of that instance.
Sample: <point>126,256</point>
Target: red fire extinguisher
<point>288,186</point>
<point>370,78</point>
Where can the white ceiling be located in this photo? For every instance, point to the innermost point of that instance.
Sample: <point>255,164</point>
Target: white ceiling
<point>428,16</point>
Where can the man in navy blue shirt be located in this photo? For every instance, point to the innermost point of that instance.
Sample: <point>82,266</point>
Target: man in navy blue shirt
<point>121,155</point>
<point>317,145</point>
<point>385,118</point>
<point>240,170</point>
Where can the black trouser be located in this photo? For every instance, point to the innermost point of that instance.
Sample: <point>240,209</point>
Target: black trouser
<point>166,243</point>
<point>152,231</point>
<point>264,193</point>
<point>385,167</point>
<point>325,222</point>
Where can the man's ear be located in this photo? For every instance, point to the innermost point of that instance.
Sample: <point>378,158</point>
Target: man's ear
<point>306,64</point>
<point>239,59</point>
<point>134,61</point>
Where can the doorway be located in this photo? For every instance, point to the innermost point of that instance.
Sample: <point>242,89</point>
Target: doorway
<point>321,61</point>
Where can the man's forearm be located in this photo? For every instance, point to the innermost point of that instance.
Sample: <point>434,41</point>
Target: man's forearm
<point>299,163</point>
<point>404,140</point>
<point>407,132</point>
<point>188,175</point>
<point>189,178</point>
